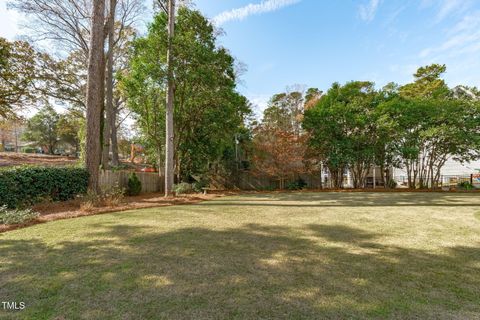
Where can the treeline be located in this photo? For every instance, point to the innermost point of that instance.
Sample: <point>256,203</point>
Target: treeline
<point>52,69</point>
<point>355,127</point>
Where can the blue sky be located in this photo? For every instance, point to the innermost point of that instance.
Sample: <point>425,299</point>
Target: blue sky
<point>318,42</point>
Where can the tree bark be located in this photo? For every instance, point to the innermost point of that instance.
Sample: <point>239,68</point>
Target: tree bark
<point>107,125</point>
<point>95,94</point>
<point>169,149</point>
<point>114,139</point>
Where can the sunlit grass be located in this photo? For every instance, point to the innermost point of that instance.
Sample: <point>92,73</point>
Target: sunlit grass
<point>290,256</point>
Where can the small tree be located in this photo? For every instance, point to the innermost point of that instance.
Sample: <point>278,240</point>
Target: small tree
<point>134,186</point>
<point>278,153</point>
<point>42,129</point>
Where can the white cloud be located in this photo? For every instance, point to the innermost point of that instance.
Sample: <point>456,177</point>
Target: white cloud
<point>462,38</point>
<point>450,7</point>
<point>368,11</point>
<point>252,9</point>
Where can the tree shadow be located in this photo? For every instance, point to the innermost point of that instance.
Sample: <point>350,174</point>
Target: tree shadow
<point>256,271</point>
<point>352,199</point>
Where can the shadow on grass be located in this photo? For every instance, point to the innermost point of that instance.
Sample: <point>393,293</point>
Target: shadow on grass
<point>352,199</point>
<point>256,271</point>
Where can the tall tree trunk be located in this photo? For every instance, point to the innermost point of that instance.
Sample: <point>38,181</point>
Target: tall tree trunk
<point>169,149</point>
<point>95,94</point>
<point>109,86</point>
<point>114,139</point>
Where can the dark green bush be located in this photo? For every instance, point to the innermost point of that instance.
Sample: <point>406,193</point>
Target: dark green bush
<point>134,186</point>
<point>23,186</point>
<point>298,184</point>
<point>391,184</point>
<point>465,185</point>
<point>267,188</point>
<point>29,150</point>
<point>199,185</point>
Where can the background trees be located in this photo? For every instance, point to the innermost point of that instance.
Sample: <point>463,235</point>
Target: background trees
<point>17,74</point>
<point>416,127</point>
<point>42,128</point>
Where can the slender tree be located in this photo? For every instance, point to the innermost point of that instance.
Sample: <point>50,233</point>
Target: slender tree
<point>107,125</point>
<point>95,94</point>
<point>169,150</point>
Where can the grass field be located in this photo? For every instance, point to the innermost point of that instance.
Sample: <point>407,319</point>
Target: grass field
<point>271,256</point>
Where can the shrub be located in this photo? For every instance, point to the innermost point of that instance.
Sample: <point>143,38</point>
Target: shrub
<point>113,196</point>
<point>90,200</point>
<point>110,197</point>
<point>29,150</point>
<point>134,186</point>
<point>183,188</point>
<point>465,185</point>
<point>16,216</point>
<point>391,184</point>
<point>24,186</point>
<point>267,188</point>
<point>199,185</point>
<point>298,184</point>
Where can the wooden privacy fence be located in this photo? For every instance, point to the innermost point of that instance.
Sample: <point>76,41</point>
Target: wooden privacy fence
<point>249,181</point>
<point>151,182</point>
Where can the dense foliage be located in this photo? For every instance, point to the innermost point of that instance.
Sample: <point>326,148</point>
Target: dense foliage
<point>416,127</point>
<point>28,185</point>
<point>208,110</point>
<point>17,73</point>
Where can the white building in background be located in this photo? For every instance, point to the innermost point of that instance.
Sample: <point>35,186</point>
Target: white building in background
<point>450,172</point>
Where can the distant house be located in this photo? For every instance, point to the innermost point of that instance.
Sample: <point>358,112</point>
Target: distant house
<point>451,173</point>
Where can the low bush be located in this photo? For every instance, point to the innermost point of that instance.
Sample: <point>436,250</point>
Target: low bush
<point>134,185</point>
<point>183,188</point>
<point>113,196</point>
<point>298,184</point>
<point>465,185</point>
<point>16,216</point>
<point>199,185</point>
<point>391,184</point>
<point>267,188</point>
<point>110,197</point>
<point>25,186</point>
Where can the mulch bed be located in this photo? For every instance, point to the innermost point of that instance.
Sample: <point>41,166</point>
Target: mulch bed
<point>72,209</point>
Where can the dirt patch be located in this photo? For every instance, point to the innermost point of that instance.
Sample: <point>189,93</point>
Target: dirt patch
<point>72,208</point>
<point>8,159</point>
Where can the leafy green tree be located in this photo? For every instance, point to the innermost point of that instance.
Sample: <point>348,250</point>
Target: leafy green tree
<point>17,74</point>
<point>208,111</point>
<point>342,130</point>
<point>42,129</point>
<point>427,84</point>
<point>70,128</point>
<point>428,123</point>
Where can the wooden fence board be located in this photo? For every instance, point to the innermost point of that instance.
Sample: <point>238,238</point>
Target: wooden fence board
<point>151,182</point>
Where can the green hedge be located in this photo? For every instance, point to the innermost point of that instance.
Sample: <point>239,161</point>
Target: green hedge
<point>23,186</point>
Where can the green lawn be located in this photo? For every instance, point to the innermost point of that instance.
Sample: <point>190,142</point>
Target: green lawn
<point>290,256</point>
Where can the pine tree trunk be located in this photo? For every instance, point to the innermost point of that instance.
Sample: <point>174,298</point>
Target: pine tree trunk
<point>95,94</point>
<point>109,86</point>
<point>169,149</point>
<point>113,126</point>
